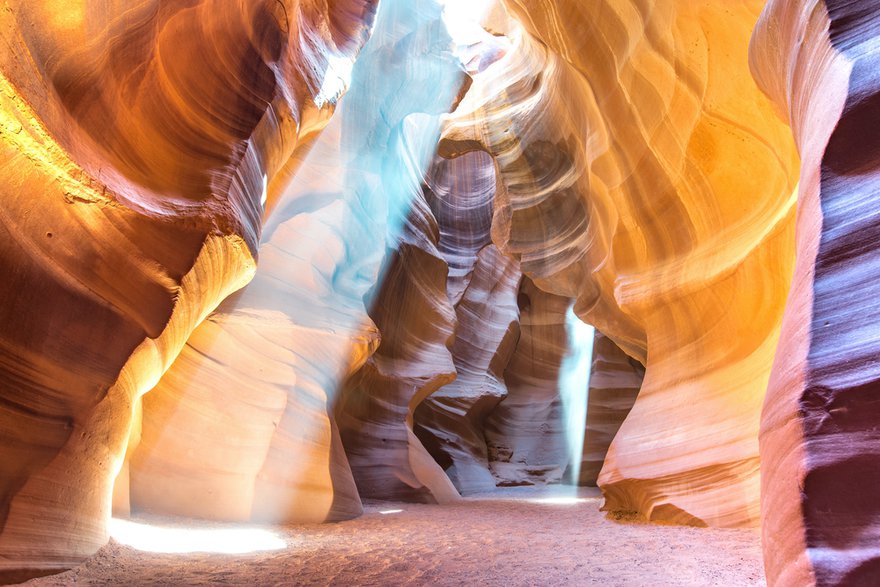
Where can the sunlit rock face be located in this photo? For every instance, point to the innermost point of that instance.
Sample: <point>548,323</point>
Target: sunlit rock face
<point>137,139</point>
<point>615,380</point>
<point>408,303</point>
<point>819,438</point>
<point>407,333</point>
<point>239,428</point>
<point>643,173</point>
<point>268,448</point>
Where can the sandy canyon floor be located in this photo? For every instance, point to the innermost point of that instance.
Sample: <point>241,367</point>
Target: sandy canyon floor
<point>512,537</point>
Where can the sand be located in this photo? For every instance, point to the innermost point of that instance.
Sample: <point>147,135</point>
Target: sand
<point>512,537</point>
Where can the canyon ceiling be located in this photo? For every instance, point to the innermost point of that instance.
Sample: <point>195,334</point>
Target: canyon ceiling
<point>264,258</point>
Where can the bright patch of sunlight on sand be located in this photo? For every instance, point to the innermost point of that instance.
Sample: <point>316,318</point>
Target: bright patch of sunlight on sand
<point>182,540</point>
<point>561,500</point>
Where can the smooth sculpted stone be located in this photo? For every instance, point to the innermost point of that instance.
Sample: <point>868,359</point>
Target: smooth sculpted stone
<point>239,429</point>
<point>615,380</point>
<point>525,434</point>
<point>136,141</point>
<point>409,303</point>
<point>451,421</point>
<point>643,173</point>
<point>820,445</point>
<point>482,286</point>
<point>375,411</point>
<point>266,446</point>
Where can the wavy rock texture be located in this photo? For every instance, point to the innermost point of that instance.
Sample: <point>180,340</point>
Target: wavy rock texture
<point>481,286</point>
<point>615,380</point>
<point>376,407</point>
<point>644,174</point>
<point>442,284</point>
<point>239,429</point>
<point>500,421</point>
<point>524,434</point>
<point>819,439</point>
<point>304,323</point>
<point>409,304</point>
<point>131,202</point>
<point>451,421</point>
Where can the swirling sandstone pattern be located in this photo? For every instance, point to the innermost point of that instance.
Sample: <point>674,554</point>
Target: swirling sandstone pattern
<point>376,406</point>
<point>482,286</point>
<point>410,305</point>
<point>238,429</point>
<point>615,380</point>
<point>304,324</point>
<point>136,141</point>
<point>819,439</point>
<point>524,434</point>
<point>636,159</point>
<point>644,174</point>
<point>451,421</point>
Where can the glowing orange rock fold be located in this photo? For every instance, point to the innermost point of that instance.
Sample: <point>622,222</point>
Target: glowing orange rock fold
<point>137,139</point>
<point>644,174</point>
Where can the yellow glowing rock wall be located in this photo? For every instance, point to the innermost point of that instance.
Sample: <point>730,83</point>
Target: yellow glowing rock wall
<point>645,174</point>
<point>136,138</point>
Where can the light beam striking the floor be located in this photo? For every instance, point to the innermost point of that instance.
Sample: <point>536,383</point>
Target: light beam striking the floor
<point>574,387</point>
<point>171,540</point>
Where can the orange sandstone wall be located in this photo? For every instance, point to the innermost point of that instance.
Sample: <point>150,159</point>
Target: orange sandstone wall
<point>643,173</point>
<point>135,140</point>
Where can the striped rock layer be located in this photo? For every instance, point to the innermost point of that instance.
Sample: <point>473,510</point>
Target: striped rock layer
<point>820,446</point>
<point>136,140</point>
<point>615,380</point>
<point>697,178</point>
<point>644,173</point>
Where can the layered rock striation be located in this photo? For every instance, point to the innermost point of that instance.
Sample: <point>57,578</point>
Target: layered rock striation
<point>304,322</point>
<point>137,139</point>
<point>407,331</point>
<point>643,173</point>
<point>525,434</point>
<point>615,380</point>
<point>819,439</point>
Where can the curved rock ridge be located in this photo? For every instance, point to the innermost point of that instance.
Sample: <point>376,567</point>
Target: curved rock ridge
<point>445,304</point>
<point>447,313</point>
<point>525,434</point>
<point>819,439</point>
<point>500,421</point>
<point>615,380</point>
<point>643,173</point>
<point>408,302</point>
<point>481,285</point>
<point>239,428</point>
<point>267,448</point>
<point>375,410</point>
<point>137,139</point>
<point>451,421</point>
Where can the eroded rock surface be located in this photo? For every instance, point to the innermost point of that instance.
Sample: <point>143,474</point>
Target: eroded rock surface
<point>615,380</point>
<point>451,421</point>
<point>524,434</point>
<point>136,141</point>
<point>819,439</point>
<point>643,173</point>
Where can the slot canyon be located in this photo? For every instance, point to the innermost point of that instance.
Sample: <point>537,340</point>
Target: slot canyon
<point>440,292</point>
